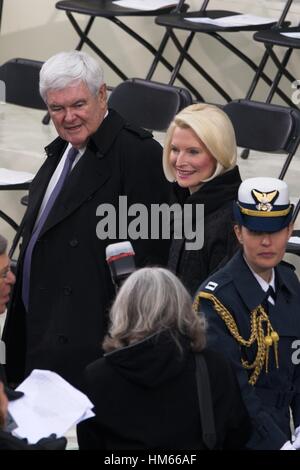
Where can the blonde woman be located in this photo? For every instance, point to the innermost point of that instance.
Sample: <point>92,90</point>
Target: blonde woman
<point>200,158</point>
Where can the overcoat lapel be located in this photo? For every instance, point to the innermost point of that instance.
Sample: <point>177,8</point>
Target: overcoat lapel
<point>40,183</point>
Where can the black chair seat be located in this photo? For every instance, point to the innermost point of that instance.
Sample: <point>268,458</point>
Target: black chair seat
<point>275,38</point>
<point>177,20</point>
<point>105,8</point>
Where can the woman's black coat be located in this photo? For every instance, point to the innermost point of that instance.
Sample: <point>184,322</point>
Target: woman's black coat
<point>220,243</point>
<point>145,397</point>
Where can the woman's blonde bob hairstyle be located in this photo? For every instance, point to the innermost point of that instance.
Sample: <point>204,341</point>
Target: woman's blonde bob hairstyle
<point>214,129</point>
<point>152,300</point>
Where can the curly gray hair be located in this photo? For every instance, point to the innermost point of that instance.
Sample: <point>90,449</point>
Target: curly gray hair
<point>151,300</point>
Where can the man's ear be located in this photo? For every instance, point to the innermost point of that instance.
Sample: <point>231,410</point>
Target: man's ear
<point>238,233</point>
<point>103,93</point>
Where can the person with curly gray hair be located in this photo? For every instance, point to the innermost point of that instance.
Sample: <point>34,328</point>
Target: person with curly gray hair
<point>144,388</point>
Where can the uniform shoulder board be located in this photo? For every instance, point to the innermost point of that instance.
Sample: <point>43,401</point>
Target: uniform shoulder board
<point>288,265</point>
<point>139,131</point>
<point>215,282</point>
<point>211,285</point>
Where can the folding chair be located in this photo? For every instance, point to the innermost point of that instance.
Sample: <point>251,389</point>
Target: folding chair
<point>266,128</point>
<point>109,10</point>
<point>148,104</point>
<point>177,20</point>
<point>21,78</point>
<point>277,38</point>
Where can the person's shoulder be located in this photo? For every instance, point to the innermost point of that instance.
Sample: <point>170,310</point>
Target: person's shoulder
<point>288,275</point>
<point>218,287</point>
<point>216,281</point>
<point>138,132</point>
<point>119,124</point>
<point>286,267</point>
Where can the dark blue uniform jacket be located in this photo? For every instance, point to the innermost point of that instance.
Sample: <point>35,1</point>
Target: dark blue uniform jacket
<point>269,400</point>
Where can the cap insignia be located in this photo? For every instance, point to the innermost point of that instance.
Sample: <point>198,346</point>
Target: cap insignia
<point>264,201</point>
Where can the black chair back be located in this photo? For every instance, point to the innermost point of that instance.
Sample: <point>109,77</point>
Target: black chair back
<point>266,128</point>
<point>148,104</point>
<point>21,79</point>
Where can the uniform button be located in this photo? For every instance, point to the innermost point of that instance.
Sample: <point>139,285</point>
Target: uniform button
<point>62,339</point>
<point>73,243</point>
<point>67,290</point>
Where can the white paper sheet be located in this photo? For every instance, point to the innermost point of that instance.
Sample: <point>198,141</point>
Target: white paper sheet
<point>49,405</point>
<point>234,21</point>
<point>294,35</point>
<point>145,5</point>
<point>294,240</point>
<point>14,177</point>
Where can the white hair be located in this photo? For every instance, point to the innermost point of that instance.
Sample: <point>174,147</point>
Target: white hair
<point>149,301</point>
<point>68,68</point>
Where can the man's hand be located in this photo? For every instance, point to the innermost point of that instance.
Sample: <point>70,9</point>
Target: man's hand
<point>51,442</point>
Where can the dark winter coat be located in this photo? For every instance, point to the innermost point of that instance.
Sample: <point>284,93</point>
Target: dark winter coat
<point>220,243</point>
<point>145,397</point>
<point>71,287</point>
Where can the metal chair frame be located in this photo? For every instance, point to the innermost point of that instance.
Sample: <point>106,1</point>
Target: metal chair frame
<point>21,79</point>
<point>106,9</point>
<point>275,38</point>
<point>175,20</point>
